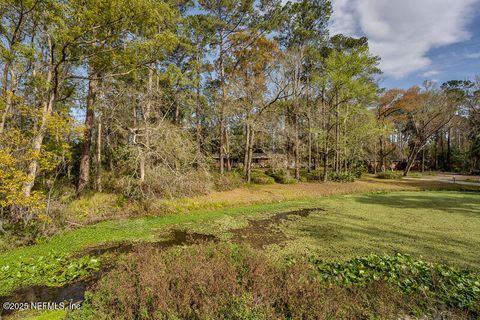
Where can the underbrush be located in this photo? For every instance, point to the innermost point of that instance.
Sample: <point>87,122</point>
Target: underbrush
<point>97,206</point>
<point>227,181</point>
<point>259,177</point>
<point>314,175</point>
<point>221,281</point>
<point>341,176</point>
<point>162,183</point>
<point>281,176</point>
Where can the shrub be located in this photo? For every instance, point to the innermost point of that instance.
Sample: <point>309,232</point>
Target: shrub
<point>259,177</point>
<point>224,281</point>
<point>281,176</point>
<point>390,175</point>
<point>165,183</point>
<point>228,181</point>
<point>95,207</point>
<point>314,175</point>
<point>341,177</point>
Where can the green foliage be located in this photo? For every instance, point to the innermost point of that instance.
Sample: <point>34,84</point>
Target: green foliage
<point>281,176</point>
<point>259,177</point>
<point>341,176</point>
<point>313,175</point>
<point>52,269</point>
<point>460,288</point>
<point>389,175</point>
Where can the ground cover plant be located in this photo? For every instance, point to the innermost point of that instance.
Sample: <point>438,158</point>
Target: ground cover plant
<point>235,282</point>
<point>51,269</point>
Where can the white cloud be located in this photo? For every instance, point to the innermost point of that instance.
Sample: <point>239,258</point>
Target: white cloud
<point>402,32</point>
<point>473,55</point>
<point>431,73</point>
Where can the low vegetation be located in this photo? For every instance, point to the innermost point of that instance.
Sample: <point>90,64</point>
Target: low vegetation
<point>225,281</point>
<point>52,269</point>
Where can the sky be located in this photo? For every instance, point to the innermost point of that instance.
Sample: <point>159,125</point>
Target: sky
<point>417,40</point>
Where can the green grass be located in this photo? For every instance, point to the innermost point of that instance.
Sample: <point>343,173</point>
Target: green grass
<point>435,226</point>
<point>141,229</point>
<point>39,315</point>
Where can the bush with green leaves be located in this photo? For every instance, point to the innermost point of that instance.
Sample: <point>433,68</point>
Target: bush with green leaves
<point>341,177</point>
<point>51,269</point>
<point>313,175</point>
<point>281,176</point>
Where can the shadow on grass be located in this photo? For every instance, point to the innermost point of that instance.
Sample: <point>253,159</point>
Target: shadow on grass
<point>428,185</point>
<point>467,204</point>
<point>403,222</point>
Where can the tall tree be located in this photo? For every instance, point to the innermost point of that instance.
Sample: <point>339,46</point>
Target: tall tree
<point>109,38</point>
<point>231,16</point>
<point>304,24</point>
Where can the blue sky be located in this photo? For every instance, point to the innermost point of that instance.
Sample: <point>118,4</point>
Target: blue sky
<point>417,39</point>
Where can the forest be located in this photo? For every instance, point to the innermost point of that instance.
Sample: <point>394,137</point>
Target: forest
<point>121,104</point>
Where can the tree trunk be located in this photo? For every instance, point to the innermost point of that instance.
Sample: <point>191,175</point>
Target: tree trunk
<point>296,94</point>
<point>411,160</point>
<point>247,144</point>
<point>326,149</point>
<point>37,144</point>
<point>423,160</point>
<point>84,174</point>
<point>48,105</point>
<point>250,155</point>
<point>222,110</point>
<point>297,150</point>
<point>382,154</point>
<point>309,119</point>
<point>449,150</point>
<point>198,108</point>
<point>337,136</point>
<point>98,180</point>
<point>8,95</point>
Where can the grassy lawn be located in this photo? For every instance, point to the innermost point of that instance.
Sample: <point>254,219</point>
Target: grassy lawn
<point>437,226</point>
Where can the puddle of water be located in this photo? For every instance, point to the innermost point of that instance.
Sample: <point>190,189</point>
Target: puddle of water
<point>260,233</point>
<point>75,292</point>
<point>177,238</point>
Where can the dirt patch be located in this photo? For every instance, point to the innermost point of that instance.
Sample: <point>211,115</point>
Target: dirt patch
<point>74,292</point>
<point>260,233</point>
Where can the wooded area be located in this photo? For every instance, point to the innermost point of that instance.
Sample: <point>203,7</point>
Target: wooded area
<point>151,98</point>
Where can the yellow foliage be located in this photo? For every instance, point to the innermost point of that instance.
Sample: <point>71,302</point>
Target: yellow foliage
<point>12,180</point>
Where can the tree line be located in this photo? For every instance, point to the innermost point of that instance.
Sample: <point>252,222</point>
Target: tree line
<point>151,98</point>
